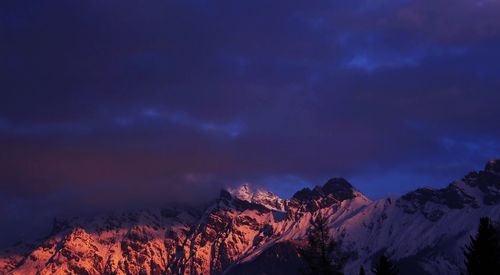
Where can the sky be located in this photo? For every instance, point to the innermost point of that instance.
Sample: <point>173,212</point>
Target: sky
<point>107,104</point>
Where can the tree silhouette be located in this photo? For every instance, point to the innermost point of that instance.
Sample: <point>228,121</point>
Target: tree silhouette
<point>482,255</point>
<point>361,270</point>
<point>322,255</point>
<point>385,267</point>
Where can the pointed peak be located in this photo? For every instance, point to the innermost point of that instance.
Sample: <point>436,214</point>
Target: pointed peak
<point>246,192</point>
<point>242,192</point>
<point>245,186</point>
<point>339,188</point>
<point>337,184</point>
<point>493,166</point>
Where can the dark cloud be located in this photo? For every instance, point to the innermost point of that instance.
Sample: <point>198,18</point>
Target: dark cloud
<point>106,103</point>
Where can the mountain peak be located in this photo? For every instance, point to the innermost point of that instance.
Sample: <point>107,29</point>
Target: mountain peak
<point>243,192</point>
<point>493,166</point>
<point>338,188</point>
<point>258,196</point>
<point>342,189</point>
<point>249,227</point>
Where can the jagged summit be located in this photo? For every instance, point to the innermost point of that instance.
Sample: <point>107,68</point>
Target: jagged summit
<point>247,227</point>
<point>245,192</point>
<point>339,188</point>
<point>334,192</point>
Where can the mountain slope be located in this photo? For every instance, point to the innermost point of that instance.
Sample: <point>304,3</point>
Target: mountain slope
<point>424,231</point>
<point>246,231</point>
<point>428,226</point>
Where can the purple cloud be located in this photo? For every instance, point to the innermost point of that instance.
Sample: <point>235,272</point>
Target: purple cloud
<point>176,99</point>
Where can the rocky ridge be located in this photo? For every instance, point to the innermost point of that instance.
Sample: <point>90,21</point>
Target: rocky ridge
<point>247,231</point>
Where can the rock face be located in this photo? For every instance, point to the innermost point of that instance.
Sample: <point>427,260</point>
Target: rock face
<point>259,196</point>
<point>246,231</point>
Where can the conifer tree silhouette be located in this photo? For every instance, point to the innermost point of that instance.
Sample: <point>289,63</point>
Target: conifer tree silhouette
<point>322,255</point>
<point>482,255</point>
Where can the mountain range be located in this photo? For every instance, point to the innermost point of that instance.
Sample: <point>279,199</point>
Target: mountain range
<point>249,230</point>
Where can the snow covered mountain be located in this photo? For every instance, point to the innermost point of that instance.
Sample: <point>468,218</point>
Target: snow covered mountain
<point>247,231</point>
<point>259,196</point>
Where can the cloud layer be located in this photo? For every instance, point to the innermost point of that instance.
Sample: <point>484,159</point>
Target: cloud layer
<point>107,103</point>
